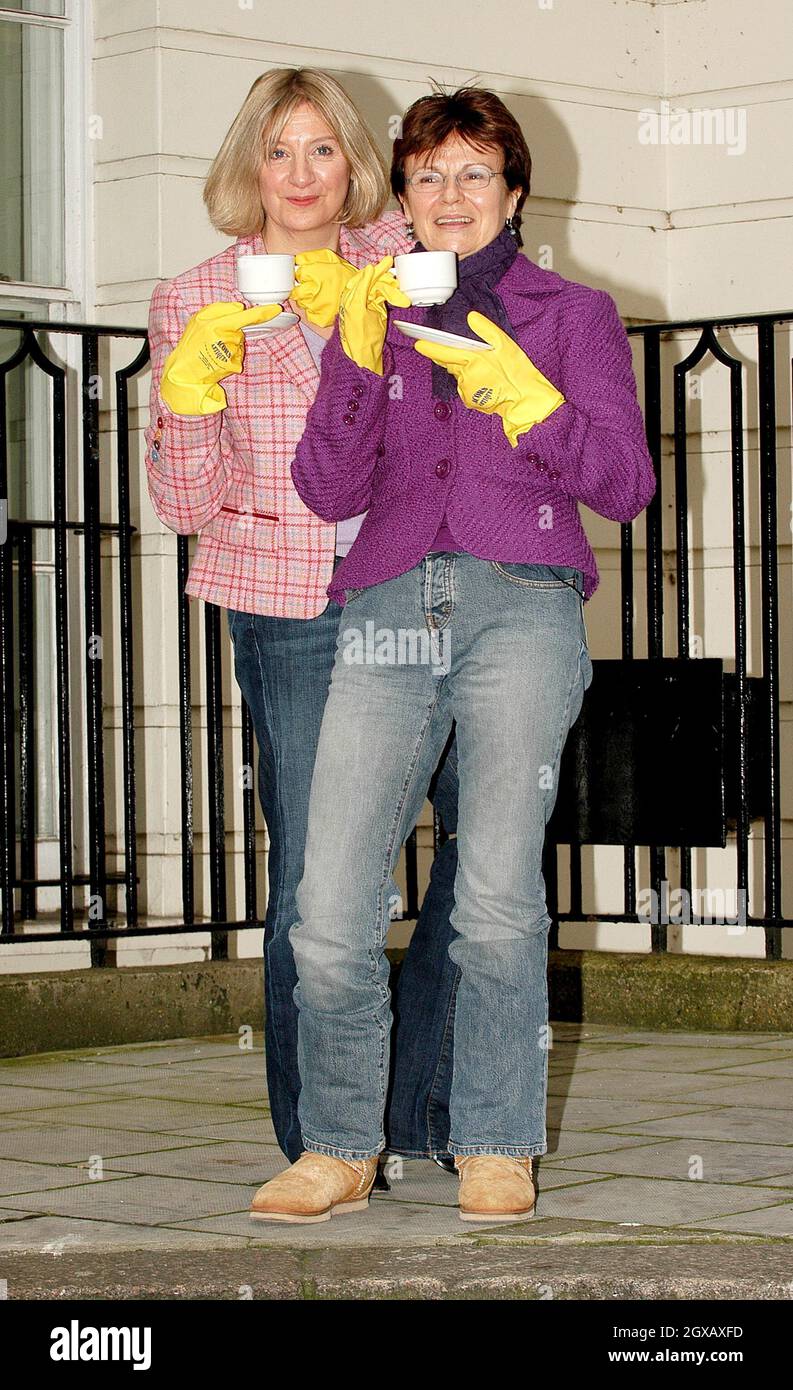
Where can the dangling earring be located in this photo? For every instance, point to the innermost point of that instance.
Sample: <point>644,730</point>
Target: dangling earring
<point>410,231</point>
<point>510,226</point>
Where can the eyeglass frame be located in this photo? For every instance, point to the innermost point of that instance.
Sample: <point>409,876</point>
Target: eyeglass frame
<point>494,174</point>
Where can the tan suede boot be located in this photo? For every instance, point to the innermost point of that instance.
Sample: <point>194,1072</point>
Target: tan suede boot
<point>495,1187</point>
<point>316,1187</point>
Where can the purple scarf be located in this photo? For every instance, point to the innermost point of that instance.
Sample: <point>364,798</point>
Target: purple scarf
<point>477,277</point>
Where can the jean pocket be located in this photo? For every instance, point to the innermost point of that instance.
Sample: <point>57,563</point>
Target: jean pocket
<point>237,618</point>
<point>532,576</point>
<point>583,621</point>
<point>586,665</point>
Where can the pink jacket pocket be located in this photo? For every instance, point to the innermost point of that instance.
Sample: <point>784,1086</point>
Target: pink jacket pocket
<point>256,530</point>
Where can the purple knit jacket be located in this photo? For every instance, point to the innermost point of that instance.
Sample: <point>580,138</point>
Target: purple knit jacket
<point>386,446</point>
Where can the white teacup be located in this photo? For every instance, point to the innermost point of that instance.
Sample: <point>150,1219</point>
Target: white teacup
<point>427,277</point>
<point>266,279</point>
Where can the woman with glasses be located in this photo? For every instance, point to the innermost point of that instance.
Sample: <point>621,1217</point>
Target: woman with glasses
<point>298,172</point>
<point>471,462</point>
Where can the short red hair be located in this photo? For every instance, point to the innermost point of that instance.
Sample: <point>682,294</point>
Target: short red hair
<point>474,115</point>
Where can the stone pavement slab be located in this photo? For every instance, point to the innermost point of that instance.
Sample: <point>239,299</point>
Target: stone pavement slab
<point>685,1059</point>
<point>763,1221</point>
<point>74,1143</point>
<point>220,1088</point>
<point>78,1074</point>
<point>659,1037</point>
<point>146,1114</point>
<point>32,1099</point>
<point>21,1177</point>
<point>772,1094</point>
<point>643,1201</point>
<point>603,1112</point>
<point>259,1129</point>
<point>55,1235</point>
<point>739,1122</point>
<point>165,1053</point>
<point>610,1083</point>
<point>143,1201</point>
<point>567,1143</point>
<point>216,1162</point>
<point>246,1064</point>
<point>670,1158</point>
<point>781,1067</point>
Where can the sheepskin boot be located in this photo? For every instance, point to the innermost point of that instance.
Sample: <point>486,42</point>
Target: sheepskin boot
<point>495,1187</point>
<point>316,1187</point>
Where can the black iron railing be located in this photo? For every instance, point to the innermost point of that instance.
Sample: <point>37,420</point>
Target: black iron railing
<point>749,727</point>
<point>742,712</point>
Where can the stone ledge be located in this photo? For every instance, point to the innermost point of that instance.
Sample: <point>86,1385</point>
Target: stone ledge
<point>711,994</point>
<point>438,1273</point>
<point>58,1011</point>
<point>63,1010</point>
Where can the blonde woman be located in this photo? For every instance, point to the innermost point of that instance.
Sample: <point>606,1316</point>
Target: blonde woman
<point>298,172</point>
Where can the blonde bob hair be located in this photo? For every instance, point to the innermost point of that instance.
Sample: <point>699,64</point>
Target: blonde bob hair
<point>231,191</point>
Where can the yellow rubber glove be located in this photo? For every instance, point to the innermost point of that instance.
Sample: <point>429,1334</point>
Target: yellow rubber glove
<point>211,347</point>
<point>503,382</point>
<point>363,318</point>
<point>320,277</point>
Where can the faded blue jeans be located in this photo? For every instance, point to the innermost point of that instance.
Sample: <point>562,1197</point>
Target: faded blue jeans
<point>283,667</point>
<point>500,649</point>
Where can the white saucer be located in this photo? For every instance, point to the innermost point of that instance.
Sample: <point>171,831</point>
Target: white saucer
<point>438,335</point>
<point>276,325</point>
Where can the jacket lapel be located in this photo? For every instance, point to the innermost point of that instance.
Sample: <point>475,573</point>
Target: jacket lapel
<point>357,248</point>
<point>287,352</point>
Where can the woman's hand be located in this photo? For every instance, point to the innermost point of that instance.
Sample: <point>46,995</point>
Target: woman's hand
<point>363,318</point>
<point>503,382</point>
<point>211,347</point>
<point>321,277</point>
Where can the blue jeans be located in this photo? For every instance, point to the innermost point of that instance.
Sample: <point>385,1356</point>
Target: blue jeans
<point>501,650</point>
<point>283,667</point>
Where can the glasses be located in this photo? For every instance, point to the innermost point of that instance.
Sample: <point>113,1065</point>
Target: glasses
<point>468,180</point>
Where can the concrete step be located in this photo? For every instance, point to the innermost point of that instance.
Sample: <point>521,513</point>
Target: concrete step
<point>632,1270</point>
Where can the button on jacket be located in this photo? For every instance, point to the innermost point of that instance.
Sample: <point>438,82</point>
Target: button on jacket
<point>405,457</point>
<point>260,548</point>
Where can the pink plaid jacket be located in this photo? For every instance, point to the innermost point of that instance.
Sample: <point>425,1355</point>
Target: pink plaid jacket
<point>227,476</point>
